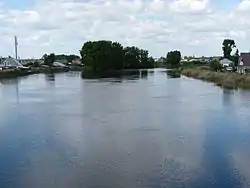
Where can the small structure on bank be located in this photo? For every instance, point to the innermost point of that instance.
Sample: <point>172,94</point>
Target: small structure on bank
<point>244,63</point>
<point>58,64</point>
<point>11,63</point>
<point>227,64</point>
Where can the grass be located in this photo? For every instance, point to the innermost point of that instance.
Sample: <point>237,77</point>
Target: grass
<point>224,79</point>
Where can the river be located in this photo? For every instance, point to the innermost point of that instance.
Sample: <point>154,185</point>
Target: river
<point>60,131</point>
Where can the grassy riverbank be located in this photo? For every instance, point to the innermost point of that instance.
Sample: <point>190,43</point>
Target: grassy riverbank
<point>224,79</point>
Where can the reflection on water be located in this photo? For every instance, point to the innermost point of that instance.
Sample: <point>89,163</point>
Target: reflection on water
<point>143,130</point>
<point>227,96</point>
<point>50,77</point>
<point>9,81</point>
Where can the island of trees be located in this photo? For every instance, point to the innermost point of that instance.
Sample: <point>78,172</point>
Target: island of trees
<point>103,58</point>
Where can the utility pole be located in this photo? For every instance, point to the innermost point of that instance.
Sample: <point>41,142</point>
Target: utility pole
<point>16,43</point>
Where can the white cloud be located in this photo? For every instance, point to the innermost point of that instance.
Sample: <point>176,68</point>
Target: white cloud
<point>189,6</point>
<point>244,5</point>
<point>62,26</point>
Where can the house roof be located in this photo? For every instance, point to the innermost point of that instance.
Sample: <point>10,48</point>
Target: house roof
<point>10,62</point>
<point>245,57</point>
<point>225,61</point>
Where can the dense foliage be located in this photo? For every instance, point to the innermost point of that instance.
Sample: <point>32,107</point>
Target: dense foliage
<point>227,47</point>
<point>135,58</point>
<point>100,56</point>
<point>49,59</point>
<point>62,57</point>
<point>215,66</point>
<point>236,58</point>
<point>173,59</point>
<point>68,58</point>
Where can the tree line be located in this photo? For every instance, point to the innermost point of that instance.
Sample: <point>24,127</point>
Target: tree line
<point>51,58</point>
<point>103,55</point>
<point>173,59</point>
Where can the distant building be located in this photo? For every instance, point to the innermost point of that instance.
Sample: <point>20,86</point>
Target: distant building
<point>58,64</point>
<point>244,63</point>
<point>160,62</point>
<point>31,61</point>
<point>11,63</point>
<point>76,62</point>
<point>227,64</point>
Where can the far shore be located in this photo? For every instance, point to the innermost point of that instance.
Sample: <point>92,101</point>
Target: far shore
<point>13,73</point>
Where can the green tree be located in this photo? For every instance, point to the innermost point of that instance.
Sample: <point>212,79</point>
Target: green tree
<point>135,58</point>
<point>236,58</point>
<point>99,56</point>
<point>173,59</point>
<point>44,56</point>
<point>227,47</point>
<point>36,64</point>
<point>131,57</point>
<point>102,56</point>
<point>49,60</point>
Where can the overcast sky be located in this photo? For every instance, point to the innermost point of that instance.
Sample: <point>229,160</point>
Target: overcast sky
<point>62,26</point>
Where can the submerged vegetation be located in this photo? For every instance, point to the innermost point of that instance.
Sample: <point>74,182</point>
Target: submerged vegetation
<point>174,73</point>
<point>107,58</point>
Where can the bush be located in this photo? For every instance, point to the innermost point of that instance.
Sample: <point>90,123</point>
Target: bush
<point>174,73</point>
<point>215,66</point>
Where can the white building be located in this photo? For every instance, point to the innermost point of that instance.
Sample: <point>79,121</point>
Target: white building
<point>11,63</point>
<point>58,64</point>
<point>227,64</point>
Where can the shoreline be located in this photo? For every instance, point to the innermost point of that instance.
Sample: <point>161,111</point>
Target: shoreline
<point>15,73</point>
<point>226,80</point>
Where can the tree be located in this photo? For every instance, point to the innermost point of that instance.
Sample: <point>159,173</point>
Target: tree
<point>102,56</point>
<point>173,59</point>
<point>72,57</point>
<point>36,64</point>
<point>215,65</point>
<point>44,56</point>
<point>49,60</point>
<point>227,47</point>
<point>68,58</point>
<point>236,58</point>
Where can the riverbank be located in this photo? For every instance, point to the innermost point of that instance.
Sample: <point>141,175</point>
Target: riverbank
<point>224,79</point>
<point>13,73</point>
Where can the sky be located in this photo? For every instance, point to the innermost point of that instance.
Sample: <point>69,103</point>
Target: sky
<point>195,27</point>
